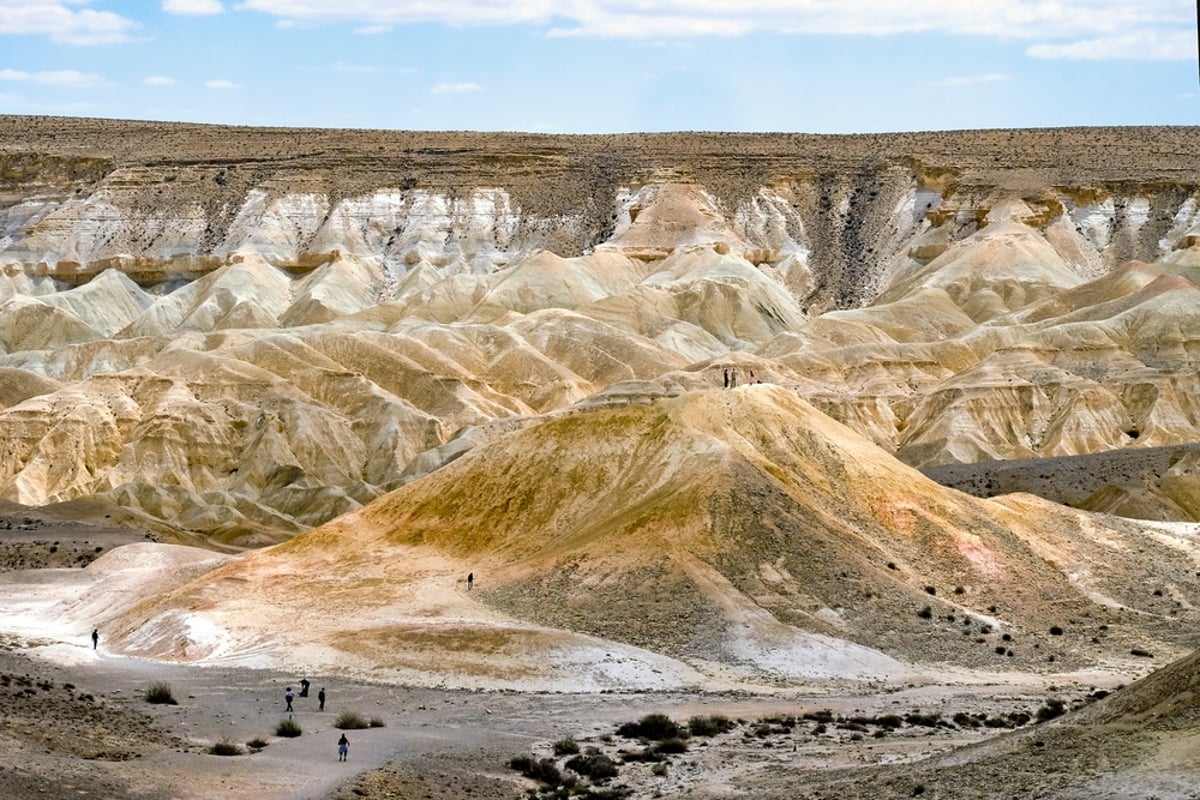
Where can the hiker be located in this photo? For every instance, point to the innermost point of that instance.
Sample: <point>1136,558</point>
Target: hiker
<point>288,696</point>
<point>470,580</point>
<point>343,748</point>
<point>752,377</point>
<point>304,687</point>
<point>726,377</point>
<point>733,378</point>
<point>321,699</point>
<point>95,638</point>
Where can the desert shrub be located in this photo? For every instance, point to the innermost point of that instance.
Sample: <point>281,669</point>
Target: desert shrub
<point>646,754</point>
<point>655,727</point>
<point>256,744</point>
<point>1056,630</point>
<point>160,694</point>
<point>659,770</point>
<point>542,770</point>
<point>376,722</point>
<point>925,613</point>
<point>709,726</point>
<point>225,748</point>
<point>288,727</point>
<point>824,715</point>
<point>916,719</point>
<point>349,721</point>
<point>672,746</point>
<point>1053,708</point>
<point>596,766</point>
<point>930,590</point>
<point>1140,653</point>
<point>566,747</point>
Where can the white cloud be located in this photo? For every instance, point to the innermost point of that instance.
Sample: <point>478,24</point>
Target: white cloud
<point>159,80</point>
<point>971,80</point>
<point>222,85</point>
<point>1051,21</point>
<point>195,7</point>
<point>1138,45</point>
<point>67,78</point>
<point>456,88</point>
<point>62,24</point>
<point>372,30</point>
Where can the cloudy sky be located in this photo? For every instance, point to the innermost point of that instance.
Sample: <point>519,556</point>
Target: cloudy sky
<point>593,66</point>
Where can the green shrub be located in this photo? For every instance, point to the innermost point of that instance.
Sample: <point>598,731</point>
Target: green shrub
<point>596,766</point>
<point>288,727</point>
<point>349,720</point>
<point>566,747</point>
<point>543,770</point>
<point>160,694</point>
<point>655,727</point>
<point>376,722</point>
<point>256,744</point>
<point>225,748</point>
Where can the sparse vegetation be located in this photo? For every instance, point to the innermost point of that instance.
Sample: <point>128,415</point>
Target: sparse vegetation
<point>160,694</point>
<point>225,748</point>
<point>654,727</point>
<point>709,726</point>
<point>566,747</point>
<point>288,728</point>
<point>376,722</point>
<point>593,765</point>
<point>542,770</point>
<point>350,720</point>
<point>256,744</point>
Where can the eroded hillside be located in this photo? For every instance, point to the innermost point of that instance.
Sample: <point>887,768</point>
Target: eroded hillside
<point>239,334</point>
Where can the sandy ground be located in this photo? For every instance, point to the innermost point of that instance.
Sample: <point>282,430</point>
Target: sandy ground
<point>434,744</point>
<point>75,722</point>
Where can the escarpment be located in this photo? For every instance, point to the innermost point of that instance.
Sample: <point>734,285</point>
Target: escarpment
<point>241,333</point>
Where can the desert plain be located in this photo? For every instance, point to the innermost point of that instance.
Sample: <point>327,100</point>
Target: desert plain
<point>783,465</point>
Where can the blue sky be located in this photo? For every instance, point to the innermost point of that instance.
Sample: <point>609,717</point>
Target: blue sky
<point>598,66</point>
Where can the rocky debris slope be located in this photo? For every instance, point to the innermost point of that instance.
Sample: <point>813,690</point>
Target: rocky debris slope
<point>241,333</point>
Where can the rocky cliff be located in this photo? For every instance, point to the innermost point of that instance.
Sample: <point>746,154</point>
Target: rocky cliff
<point>241,333</point>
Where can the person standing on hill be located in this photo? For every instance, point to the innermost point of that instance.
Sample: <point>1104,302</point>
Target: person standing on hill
<point>321,699</point>
<point>95,638</point>
<point>343,748</point>
<point>470,580</point>
<point>288,697</point>
<point>304,683</point>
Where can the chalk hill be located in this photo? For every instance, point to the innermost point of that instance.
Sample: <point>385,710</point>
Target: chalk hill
<point>720,535</point>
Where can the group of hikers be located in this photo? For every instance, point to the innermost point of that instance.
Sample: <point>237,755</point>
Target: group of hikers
<point>289,696</point>
<point>731,377</point>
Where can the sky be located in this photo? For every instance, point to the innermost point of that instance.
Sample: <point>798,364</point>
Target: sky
<point>605,66</point>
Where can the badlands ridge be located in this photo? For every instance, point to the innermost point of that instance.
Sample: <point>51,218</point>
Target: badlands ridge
<point>403,357</point>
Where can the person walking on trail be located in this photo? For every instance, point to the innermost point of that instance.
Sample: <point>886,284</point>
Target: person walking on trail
<point>321,699</point>
<point>95,638</point>
<point>288,697</point>
<point>343,748</point>
<point>304,687</point>
<point>727,377</point>
<point>470,580</point>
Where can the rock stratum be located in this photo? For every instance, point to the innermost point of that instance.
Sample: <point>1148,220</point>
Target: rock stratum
<point>506,353</point>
